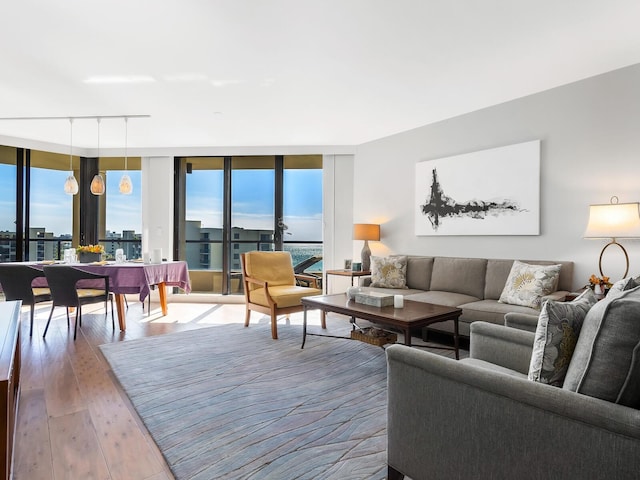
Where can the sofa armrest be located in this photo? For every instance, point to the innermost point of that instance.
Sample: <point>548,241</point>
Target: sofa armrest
<point>508,347</point>
<point>521,321</point>
<point>457,420</point>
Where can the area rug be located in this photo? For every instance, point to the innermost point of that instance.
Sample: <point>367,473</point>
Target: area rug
<point>228,402</point>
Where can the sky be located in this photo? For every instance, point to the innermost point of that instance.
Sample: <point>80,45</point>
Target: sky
<point>252,198</point>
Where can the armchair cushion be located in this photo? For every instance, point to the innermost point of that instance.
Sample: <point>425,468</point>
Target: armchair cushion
<point>283,295</point>
<point>606,361</point>
<point>557,332</point>
<point>527,284</point>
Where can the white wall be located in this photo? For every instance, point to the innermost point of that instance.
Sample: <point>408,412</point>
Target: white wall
<point>157,205</point>
<point>590,150</point>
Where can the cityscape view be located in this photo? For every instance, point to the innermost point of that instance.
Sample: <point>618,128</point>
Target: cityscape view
<point>50,220</point>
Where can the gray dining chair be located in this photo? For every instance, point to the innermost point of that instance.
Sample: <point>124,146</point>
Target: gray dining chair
<point>65,292</point>
<point>16,280</point>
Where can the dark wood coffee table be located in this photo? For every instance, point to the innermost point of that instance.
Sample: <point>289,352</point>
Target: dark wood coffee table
<point>413,315</point>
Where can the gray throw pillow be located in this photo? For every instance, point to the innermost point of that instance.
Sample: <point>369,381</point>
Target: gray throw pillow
<point>389,272</point>
<point>557,332</point>
<point>606,360</point>
<point>622,285</point>
<point>527,284</point>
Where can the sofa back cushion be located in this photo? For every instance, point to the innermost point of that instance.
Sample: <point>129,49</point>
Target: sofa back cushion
<point>419,271</point>
<point>606,360</point>
<point>498,271</point>
<point>459,275</point>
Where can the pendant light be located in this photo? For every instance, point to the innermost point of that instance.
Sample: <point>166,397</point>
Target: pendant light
<point>71,184</point>
<point>97,184</point>
<point>126,187</point>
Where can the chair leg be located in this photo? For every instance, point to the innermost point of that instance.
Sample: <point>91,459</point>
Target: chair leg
<point>67,316</point>
<point>247,316</point>
<point>31,325</point>
<point>49,321</point>
<point>75,329</point>
<point>113,322</point>
<point>274,325</point>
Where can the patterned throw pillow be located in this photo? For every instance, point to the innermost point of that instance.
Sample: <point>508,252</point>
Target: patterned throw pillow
<point>623,285</point>
<point>389,272</point>
<point>527,284</point>
<point>558,328</point>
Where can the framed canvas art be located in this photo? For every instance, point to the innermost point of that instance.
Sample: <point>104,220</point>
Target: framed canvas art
<point>489,192</point>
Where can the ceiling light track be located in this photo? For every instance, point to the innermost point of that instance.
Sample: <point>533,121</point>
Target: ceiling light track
<point>79,117</point>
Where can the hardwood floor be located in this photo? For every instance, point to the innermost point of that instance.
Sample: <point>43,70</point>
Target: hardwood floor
<point>74,420</point>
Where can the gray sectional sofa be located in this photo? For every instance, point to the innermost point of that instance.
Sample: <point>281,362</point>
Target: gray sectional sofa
<point>482,417</point>
<point>472,284</point>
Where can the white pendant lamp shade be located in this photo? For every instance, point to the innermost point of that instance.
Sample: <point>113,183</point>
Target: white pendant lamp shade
<point>71,184</point>
<point>126,187</point>
<point>97,185</point>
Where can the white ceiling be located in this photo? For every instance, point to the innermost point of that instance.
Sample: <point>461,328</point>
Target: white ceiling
<point>290,72</point>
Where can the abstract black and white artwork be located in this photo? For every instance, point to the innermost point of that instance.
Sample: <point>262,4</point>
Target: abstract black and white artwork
<point>490,192</point>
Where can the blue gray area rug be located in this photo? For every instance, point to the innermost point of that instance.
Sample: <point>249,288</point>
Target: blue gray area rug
<point>228,402</point>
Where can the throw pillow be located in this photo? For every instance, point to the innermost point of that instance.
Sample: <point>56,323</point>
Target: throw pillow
<point>389,272</point>
<point>622,285</point>
<point>557,332</point>
<point>527,284</point>
<point>605,362</point>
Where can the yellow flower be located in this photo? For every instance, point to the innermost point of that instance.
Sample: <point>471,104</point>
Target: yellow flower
<point>90,249</point>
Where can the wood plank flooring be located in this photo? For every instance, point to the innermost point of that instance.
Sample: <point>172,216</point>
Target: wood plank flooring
<point>74,420</point>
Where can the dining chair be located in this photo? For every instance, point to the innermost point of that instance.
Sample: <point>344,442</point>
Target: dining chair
<point>270,286</point>
<point>63,282</point>
<point>16,281</point>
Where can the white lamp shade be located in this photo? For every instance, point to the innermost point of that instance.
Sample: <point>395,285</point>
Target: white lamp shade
<point>126,187</point>
<point>71,185</point>
<point>97,185</point>
<point>616,220</point>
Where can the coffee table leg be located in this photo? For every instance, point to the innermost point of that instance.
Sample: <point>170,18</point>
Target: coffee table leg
<point>407,337</point>
<point>304,326</point>
<point>456,338</point>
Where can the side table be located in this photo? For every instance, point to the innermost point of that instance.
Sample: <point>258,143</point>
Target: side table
<point>344,273</point>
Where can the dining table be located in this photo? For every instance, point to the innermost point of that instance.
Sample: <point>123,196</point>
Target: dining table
<point>130,278</point>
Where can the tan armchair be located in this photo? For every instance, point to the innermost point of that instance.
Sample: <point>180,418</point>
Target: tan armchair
<point>270,286</point>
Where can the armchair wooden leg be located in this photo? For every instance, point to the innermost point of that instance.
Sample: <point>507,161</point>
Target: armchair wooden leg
<point>274,325</point>
<point>247,316</point>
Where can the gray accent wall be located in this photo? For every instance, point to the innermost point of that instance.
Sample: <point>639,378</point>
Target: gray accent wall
<point>590,150</point>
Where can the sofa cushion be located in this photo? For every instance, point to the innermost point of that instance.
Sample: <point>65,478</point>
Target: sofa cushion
<point>419,270</point>
<point>492,367</point>
<point>527,284</point>
<point>448,299</point>
<point>557,332</point>
<point>389,272</point>
<point>606,360</point>
<point>459,275</point>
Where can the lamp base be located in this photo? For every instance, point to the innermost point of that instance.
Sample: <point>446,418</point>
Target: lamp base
<point>613,242</point>
<point>366,257</point>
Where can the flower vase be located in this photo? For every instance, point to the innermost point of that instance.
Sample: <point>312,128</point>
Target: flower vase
<point>89,257</point>
<point>597,289</point>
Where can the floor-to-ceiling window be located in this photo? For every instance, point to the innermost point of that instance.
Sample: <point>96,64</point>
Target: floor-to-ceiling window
<point>8,203</point>
<point>236,204</point>
<point>122,224</point>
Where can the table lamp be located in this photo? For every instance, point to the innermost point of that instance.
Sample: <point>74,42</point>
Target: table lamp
<point>614,220</point>
<point>366,232</point>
